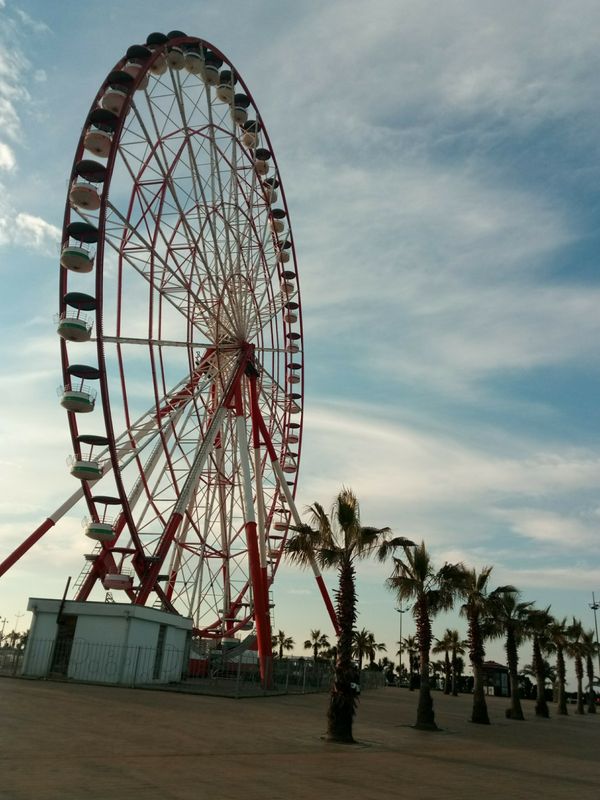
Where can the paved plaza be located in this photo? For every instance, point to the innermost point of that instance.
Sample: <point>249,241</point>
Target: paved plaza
<point>79,742</point>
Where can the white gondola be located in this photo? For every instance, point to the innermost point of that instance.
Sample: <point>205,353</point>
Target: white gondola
<point>81,401</point>
<point>84,195</point>
<point>261,167</point>
<point>85,470</point>
<point>113,99</point>
<point>292,348</point>
<point>289,465</point>
<point>293,379</point>
<point>249,139</point>
<point>98,142</point>
<point>271,195</point>
<point>288,289</point>
<point>76,258</point>
<point>283,256</point>
<point>100,531</point>
<point>133,68</point>
<point>117,580</point>
<point>73,326</point>
<point>159,67</point>
<point>175,58</point>
<point>290,317</point>
<point>210,74</point>
<point>292,438</point>
<point>293,408</point>
<point>225,92</point>
<point>281,524</point>
<point>239,113</point>
<point>276,225</point>
<point>193,62</point>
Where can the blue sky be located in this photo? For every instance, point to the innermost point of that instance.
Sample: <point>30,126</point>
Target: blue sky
<point>441,167</point>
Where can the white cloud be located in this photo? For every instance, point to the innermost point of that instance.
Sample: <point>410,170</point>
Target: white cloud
<point>36,234</point>
<point>37,26</point>
<point>7,158</point>
<point>540,525</point>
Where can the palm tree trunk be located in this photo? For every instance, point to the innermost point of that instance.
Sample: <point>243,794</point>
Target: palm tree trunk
<point>342,704</point>
<point>579,676</point>
<point>477,654</point>
<point>591,707</point>
<point>515,711</point>
<point>454,676</point>
<point>447,673</point>
<point>541,706</point>
<point>425,713</point>
<point>560,678</point>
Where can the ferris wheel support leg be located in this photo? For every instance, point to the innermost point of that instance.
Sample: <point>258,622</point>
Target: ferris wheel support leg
<point>40,531</point>
<point>298,521</point>
<point>261,606</point>
<point>260,500</point>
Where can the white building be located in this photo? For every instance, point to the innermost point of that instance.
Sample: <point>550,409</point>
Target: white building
<point>106,642</point>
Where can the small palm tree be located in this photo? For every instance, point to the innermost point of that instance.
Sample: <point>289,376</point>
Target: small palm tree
<point>576,649</point>
<point>474,591</point>
<point>409,643</point>
<point>361,643</point>
<point>339,540</point>
<point>365,646</point>
<point>443,646</point>
<point>317,643</point>
<point>374,648</point>
<point>457,648</point>
<point>538,621</point>
<point>557,644</point>
<point>414,578</point>
<point>590,649</point>
<point>507,617</point>
<point>283,642</point>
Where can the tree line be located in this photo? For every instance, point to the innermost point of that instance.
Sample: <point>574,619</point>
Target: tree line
<point>339,540</point>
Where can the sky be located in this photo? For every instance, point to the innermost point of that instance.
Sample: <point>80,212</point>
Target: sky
<point>441,164</point>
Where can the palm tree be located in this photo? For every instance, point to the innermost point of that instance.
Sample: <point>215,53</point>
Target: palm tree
<point>590,648</point>
<point>538,622</point>
<point>339,540</point>
<point>361,644</point>
<point>282,642</point>
<point>457,648</point>
<point>474,591</point>
<point>410,645</point>
<point>374,648</point>
<point>443,646</point>
<point>318,641</point>
<point>414,578</point>
<point>576,649</point>
<point>507,617</point>
<point>557,644</point>
<point>457,672</point>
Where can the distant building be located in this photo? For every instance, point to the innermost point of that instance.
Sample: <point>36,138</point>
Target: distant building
<point>495,679</point>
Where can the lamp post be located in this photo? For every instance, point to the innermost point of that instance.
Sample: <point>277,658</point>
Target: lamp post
<point>595,606</point>
<point>400,611</point>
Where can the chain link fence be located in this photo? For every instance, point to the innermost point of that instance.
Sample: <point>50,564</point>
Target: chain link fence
<point>215,672</point>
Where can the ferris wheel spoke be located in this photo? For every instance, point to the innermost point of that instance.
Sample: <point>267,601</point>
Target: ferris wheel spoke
<point>170,183</point>
<point>149,342</point>
<point>197,183</point>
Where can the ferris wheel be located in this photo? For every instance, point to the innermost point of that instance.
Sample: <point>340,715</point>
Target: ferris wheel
<point>181,342</point>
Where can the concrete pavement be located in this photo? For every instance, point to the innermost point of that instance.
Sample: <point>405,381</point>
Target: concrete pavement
<point>77,742</point>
